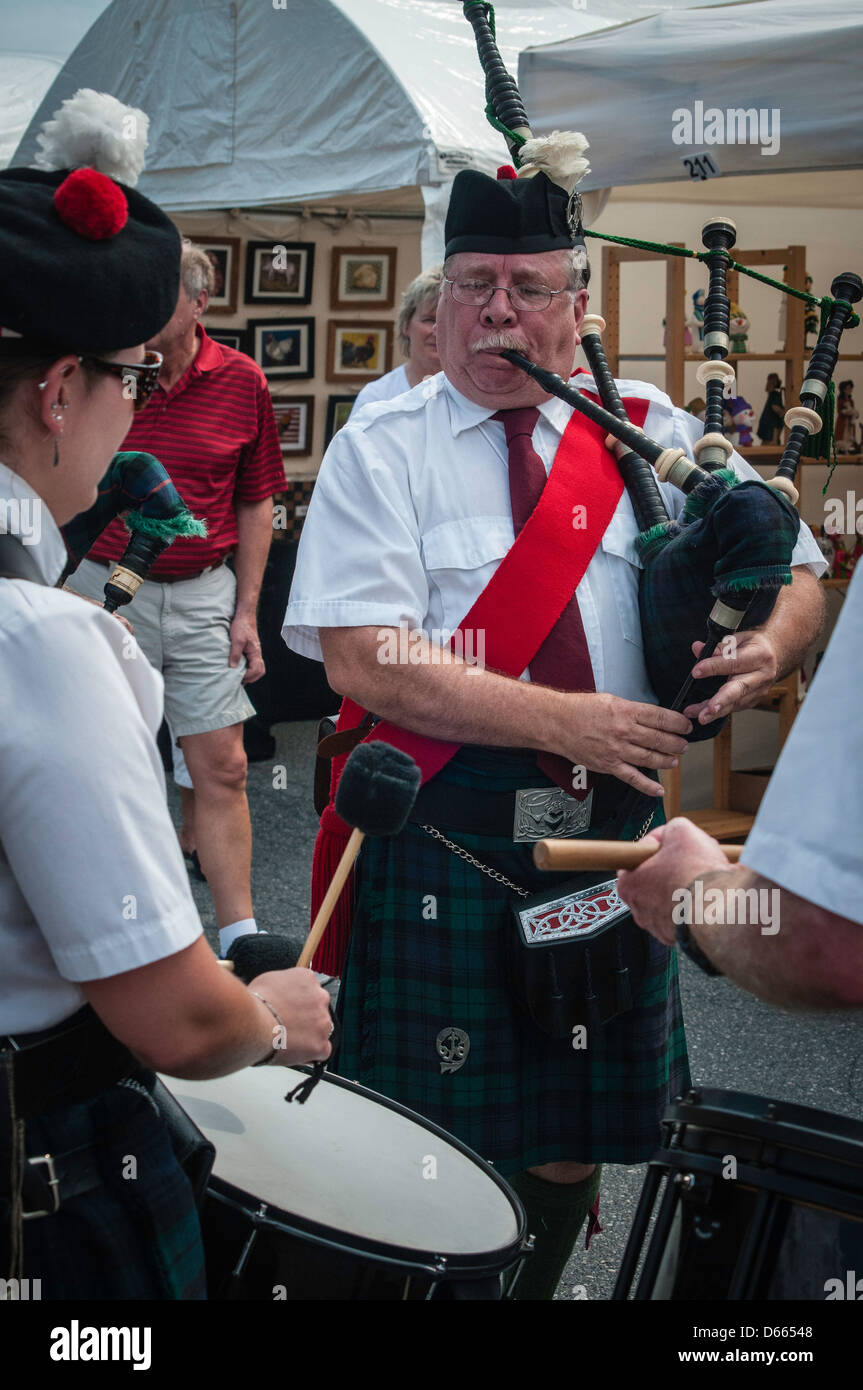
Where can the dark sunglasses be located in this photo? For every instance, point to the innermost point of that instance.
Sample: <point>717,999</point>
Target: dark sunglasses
<point>142,375</point>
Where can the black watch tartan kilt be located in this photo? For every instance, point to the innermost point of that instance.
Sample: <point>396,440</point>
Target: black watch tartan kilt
<point>138,1235</point>
<point>426,956</point>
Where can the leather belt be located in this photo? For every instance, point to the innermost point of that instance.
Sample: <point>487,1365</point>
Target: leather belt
<point>63,1065</point>
<point>163,578</point>
<point>533,813</point>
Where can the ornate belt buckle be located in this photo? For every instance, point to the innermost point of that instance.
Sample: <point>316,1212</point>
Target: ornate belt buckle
<point>548,812</point>
<point>579,914</point>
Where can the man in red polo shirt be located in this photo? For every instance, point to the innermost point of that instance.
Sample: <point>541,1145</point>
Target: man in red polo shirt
<point>210,421</point>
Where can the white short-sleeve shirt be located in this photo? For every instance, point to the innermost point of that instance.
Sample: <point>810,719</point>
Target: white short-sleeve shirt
<point>808,834</point>
<point>92,881</point>
<point>411,516</point>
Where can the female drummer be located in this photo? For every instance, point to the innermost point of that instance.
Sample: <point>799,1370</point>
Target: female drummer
<point>106,975</point>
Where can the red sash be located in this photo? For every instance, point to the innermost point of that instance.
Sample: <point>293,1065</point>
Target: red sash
<point>515,611</point>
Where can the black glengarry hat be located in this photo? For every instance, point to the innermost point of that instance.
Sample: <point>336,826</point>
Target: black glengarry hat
<point>510,216</point>
<point>86,262</point>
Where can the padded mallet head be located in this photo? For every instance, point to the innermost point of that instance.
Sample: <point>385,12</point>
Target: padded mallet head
<point>257,952</point>
<point>377,789</point>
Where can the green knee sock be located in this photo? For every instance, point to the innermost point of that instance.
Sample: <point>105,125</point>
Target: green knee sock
<point>556,1212</point>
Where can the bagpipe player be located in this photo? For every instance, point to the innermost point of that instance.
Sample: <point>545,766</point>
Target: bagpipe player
<point>420,509</point>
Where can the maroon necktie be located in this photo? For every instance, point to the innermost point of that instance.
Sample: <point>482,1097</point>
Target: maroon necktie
<point>563,660</point>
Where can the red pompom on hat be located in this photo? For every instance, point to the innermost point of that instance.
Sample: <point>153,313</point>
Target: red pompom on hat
<point>506,171</point>
<point>91,204</point>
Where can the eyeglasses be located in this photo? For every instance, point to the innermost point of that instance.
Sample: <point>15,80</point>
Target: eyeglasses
<point>139,378</point>
<point>521,297</point>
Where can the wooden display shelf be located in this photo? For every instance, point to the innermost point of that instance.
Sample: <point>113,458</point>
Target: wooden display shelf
<point>835,583</point>
<point>722,825</point>
<point>763,453</point>
<point>744,357</point>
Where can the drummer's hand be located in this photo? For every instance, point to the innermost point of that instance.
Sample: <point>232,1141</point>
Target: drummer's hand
<point>685,854</point>
<point>616,736</point>
<point>749,665</point>
<point>303,1005</point>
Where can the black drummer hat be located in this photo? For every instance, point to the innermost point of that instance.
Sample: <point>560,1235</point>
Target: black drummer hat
<point>85,262</point>
<point>509,215</point>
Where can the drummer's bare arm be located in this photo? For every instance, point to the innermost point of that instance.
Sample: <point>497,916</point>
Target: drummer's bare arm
<point>778,946</point>
<point>432,691</point>
<point>187,1016</point>
<point>753,661</point>
<point>799,956</point>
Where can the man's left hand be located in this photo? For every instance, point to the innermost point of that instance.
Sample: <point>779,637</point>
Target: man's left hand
<point>685,853</point>
<point>749,663</point>
<point>245,643</point>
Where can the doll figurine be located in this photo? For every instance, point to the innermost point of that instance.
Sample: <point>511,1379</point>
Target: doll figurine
<point>845,429</point>
<point>695,322</point>
<point>738,328</point>
<point>742,420</point>
<point>772,419</point>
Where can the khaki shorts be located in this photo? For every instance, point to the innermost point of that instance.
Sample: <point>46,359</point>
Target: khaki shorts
<point>182,629</point>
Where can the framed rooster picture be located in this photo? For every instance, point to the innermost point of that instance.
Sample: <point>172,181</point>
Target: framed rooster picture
<point>358,351</point>
<point>285,348</point>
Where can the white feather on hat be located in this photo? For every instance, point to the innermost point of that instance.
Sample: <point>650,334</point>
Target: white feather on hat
<point>94,129</point>
<point>560,156</point>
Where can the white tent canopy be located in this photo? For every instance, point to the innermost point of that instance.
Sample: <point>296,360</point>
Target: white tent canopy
<point>252,104</point>
<point>630,87</point>
<point>257,103</point>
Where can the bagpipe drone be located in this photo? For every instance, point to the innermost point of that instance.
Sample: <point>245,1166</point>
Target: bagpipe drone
<point>136,488</point>
<point>718,569</point>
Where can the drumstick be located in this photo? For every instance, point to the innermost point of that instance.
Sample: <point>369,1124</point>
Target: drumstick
<point>604,854</point>
<point>375,795</point>
<point>333,893</point>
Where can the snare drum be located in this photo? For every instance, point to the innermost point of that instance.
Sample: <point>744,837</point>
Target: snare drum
<point>349,1196</point>
<point>763,1200</point>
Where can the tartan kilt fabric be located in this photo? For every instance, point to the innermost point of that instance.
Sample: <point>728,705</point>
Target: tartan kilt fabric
<point>132,1238</point>
<point>427,954</point>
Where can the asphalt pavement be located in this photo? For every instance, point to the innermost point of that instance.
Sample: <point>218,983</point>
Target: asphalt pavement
<point>735,1042</point>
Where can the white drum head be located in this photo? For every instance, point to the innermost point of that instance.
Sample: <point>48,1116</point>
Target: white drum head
<point>345,1160</point>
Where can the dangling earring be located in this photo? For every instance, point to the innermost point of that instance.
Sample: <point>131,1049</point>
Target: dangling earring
<point>55,411</point>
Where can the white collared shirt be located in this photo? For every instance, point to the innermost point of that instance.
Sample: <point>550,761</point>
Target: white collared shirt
<point>411,516</point>
<point>808,834</point>
<point>92,881</point>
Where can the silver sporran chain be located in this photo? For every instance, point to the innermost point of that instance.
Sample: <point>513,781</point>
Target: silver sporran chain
<point>493,873</point>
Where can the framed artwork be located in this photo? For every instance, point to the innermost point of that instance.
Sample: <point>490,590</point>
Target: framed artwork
<point>279,272</point>
<point>294,424</point>
<point>363,275</point>
<point>338,413</point>
<point>223,254</point>
<point>285,348</point>
<point>230,337</point>
<point>358,352</point>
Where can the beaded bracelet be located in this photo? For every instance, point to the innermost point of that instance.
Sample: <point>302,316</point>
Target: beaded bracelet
<point>266,1061</point>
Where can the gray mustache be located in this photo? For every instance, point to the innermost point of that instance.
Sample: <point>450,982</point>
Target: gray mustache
<point>494,342</point>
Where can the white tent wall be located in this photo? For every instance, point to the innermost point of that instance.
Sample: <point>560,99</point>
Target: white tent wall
<point>626,87</point>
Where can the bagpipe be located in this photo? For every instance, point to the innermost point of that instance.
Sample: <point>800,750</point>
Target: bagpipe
<point>718,568</point>
<point>136,488</point>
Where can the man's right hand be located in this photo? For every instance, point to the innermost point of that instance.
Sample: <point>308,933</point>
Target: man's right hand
<point>303,1005</point>
<point>605,733</point>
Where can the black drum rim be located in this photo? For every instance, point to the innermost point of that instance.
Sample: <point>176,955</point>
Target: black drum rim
<point>437,1263</point>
